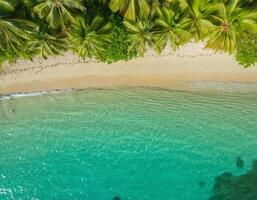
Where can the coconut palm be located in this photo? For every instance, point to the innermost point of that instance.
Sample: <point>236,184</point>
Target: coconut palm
<point>231,23</point>
<point>6,6</point>
<point>28,5</point>
<point>200,12</point>
<point>44,44</point>
<point>89,39</point>
<point>172,25</point>
<point>11,36</point>
<point>249,3</point>
<point>131,8</point>
<point>58,12</point>
<point>141,33</point>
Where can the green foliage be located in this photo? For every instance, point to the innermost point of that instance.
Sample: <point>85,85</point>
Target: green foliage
<point>113,30</point>
<point>117,48</point>
<point>6,7</point>
<point>12,41</point>
<point>131,8</point>
<point>247,50</point>
<point>230,23</point>
<point>44,44</point>
<point>141,35</point>
<point>7,55</point>
<point>199,12</point>
<point>88,38</point>
<point>172,26</point>
<point>58,13</point>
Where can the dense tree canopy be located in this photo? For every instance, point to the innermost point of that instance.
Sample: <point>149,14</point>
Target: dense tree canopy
<point>247,50</point>
<point>124,28</point>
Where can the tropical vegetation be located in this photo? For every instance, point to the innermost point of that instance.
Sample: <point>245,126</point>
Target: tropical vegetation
<point>247,50</point>
<point>113,30</point>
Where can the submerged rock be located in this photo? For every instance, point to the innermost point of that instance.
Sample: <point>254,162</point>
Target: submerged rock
<point>239,163</point>
<point>201,184</point>
<point>116,198</point>
<point>230,187</point>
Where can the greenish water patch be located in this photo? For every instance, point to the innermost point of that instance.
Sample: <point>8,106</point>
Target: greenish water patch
<point>137,143</point>
<point>230,187</point>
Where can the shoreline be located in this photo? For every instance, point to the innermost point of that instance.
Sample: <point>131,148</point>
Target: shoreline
<point>190,67</point>
<point>215,87</point>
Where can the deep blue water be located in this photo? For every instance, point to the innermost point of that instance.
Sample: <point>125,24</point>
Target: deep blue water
<point>137,143</point>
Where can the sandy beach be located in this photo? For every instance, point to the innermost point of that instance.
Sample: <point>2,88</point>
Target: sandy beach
<point>191,66</point>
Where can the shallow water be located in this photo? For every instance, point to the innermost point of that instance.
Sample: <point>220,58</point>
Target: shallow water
<point>138,143</point>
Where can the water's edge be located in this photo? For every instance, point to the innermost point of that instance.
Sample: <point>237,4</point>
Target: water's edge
<point>194,86</point>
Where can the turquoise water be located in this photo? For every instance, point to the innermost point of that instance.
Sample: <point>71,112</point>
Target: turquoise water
<point>138,143</point>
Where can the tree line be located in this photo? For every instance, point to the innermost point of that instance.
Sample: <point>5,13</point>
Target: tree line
<point>113,30</point>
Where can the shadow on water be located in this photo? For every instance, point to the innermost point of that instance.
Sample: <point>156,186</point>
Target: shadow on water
<point>116,198</point>
<point>202,184</point>
<point>239,163</point>
<point>242,187</point>
<point>230,187</point>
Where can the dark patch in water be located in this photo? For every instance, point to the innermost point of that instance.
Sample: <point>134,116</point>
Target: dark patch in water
<point>202,184</point>
<point>230,187</point>
<point>239,163</point>
<point>116,198</point>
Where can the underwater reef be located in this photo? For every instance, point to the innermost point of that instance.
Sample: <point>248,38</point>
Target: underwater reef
<point>242,187</point>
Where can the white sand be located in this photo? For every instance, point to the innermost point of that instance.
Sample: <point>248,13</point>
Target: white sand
<point>189,66</point>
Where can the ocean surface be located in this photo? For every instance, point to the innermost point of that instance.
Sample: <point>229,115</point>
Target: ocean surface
<point>135,143</point>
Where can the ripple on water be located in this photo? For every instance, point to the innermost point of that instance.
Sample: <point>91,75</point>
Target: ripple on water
<point>136,143</point>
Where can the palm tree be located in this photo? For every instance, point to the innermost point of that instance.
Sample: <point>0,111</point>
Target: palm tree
<point>131,8</point>
<point>250,4</point>
<point>6,6</point>
<point>141,33</point>
<point>200,12</point>
<point>58,12</point>
<point>89,39</point>
<point>45,44</point>
<point>172,25</point>
<point>231,23</point>
<point>11,36</point>
<point>28,5</point>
